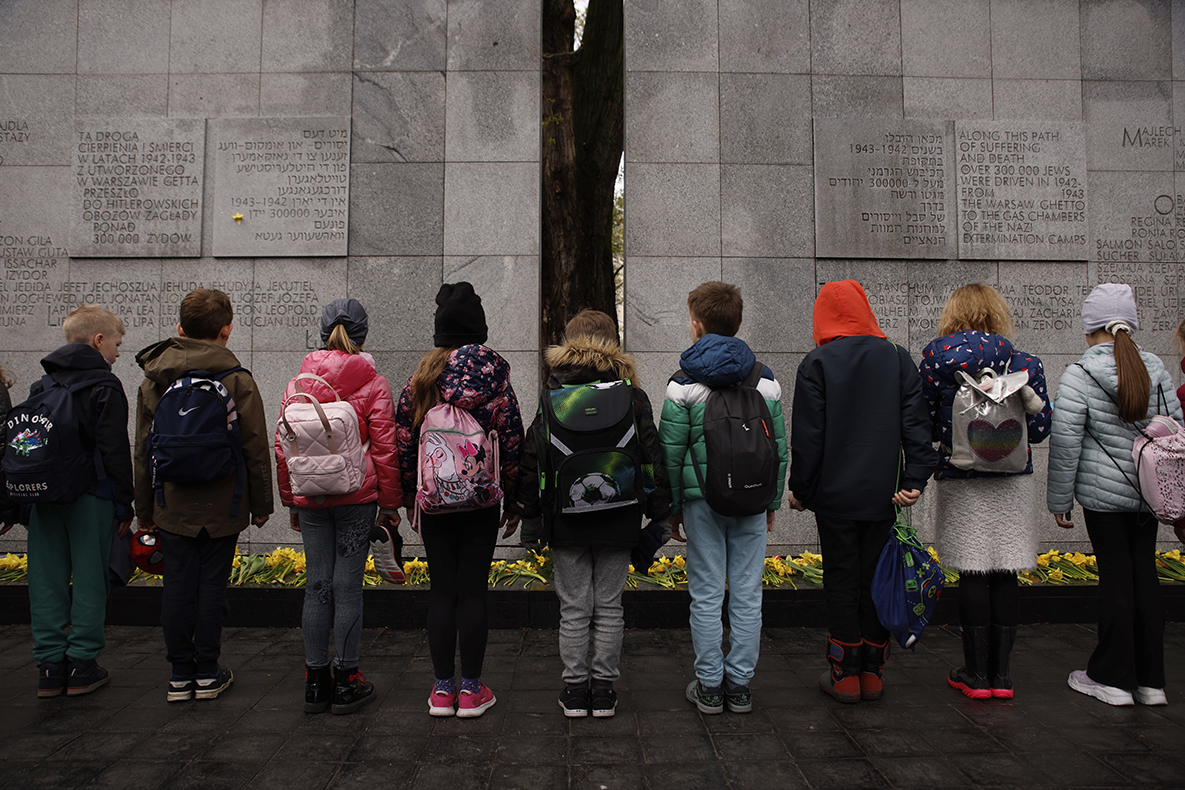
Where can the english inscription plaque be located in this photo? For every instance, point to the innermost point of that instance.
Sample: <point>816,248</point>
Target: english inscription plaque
<point>1022,190</point>
<point>281,186</point>
<point>884,189</point>
<point>137,188</point>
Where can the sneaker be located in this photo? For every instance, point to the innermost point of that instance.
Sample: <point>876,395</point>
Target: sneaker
<point>442,700</point>
<point>474,703</point>
<point>208,685</point>
<point>708,700</point>
<point>51,678</point>
<point>1146,695</point>
<point>737,698</point>
<point>84,677</point>
<point>576,700</point>
<point>1081,682</point>
<point>386,546</point>
<point>604,699</point>
<point>180,688</point>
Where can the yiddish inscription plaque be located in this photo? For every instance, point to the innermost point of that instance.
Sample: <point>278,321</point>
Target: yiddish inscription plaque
<point>281,186</point>
<point>884,189</point>
<point>137,188</point>
<point>1022,190</point>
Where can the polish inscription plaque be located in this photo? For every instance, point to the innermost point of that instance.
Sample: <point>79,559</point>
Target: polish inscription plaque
<point>884,188</point>
<point>1021,190</point>
<point>137,188</point>
<point>281,186</point>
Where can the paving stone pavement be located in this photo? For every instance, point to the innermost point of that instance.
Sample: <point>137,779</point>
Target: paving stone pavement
<point>921,734</point>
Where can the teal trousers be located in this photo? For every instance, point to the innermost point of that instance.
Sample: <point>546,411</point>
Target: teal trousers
<point>70,543</point>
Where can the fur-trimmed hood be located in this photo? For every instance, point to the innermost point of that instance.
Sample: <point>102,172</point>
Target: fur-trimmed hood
<point>585,359</point>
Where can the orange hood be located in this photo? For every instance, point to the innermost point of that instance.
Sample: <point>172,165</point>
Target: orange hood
<point>842,310</point>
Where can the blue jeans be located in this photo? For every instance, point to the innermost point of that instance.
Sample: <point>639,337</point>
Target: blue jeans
<point>721,548</point>
<point>336,542</point>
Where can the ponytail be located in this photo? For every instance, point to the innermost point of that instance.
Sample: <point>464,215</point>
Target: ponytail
<point>424,391</point>
<point>1135,386</point>
<point>339,340</point>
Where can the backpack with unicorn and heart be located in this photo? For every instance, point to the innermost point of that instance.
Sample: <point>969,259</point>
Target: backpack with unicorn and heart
<point>989,431</point>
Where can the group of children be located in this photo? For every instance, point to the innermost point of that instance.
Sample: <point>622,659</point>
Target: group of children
<point>864,424</point>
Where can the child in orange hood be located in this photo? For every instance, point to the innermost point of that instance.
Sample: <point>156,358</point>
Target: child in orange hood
<point>849,429</point>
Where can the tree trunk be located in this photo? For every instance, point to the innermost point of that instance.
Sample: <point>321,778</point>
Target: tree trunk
<point>582,136</point>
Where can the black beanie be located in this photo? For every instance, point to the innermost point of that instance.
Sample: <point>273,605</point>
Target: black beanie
<point>460,319</point>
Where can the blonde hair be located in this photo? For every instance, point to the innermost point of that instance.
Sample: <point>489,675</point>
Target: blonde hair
<point>7,378</point>
<point>424,391</point>
<point>976,306</point>
<point>591,323</point>
<point>1179,336</point>
<point>339,340</point>
<point>87,321</point>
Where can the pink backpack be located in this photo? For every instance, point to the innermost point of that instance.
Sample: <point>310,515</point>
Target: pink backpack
<point>322,443</point>
<point>458,467</point>
<point>1159,453</point>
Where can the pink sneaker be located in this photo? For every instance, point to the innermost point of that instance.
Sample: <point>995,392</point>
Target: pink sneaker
<point>475,703</point>
<point>441,702</point>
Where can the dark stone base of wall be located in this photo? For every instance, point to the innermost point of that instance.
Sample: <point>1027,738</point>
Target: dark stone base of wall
<point>407,607</point>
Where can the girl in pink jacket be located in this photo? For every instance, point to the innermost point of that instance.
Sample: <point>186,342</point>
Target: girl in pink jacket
<point>337,530</point>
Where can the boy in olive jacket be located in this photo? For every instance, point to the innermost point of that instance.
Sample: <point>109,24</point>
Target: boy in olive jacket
<point>196,524</point>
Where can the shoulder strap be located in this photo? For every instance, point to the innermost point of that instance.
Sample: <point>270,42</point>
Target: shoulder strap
<point>1098,383</point>
<point>1133,483</point>
<point>313,377</point>
<point>754,377</point>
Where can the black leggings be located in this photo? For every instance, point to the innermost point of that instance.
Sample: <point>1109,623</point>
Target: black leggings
<point>459,548</point>
<point>1130,652</point>
<point>991,598</point>
<point>850,553</point>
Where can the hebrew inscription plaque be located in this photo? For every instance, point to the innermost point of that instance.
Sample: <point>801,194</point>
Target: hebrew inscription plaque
<point>1022,190</point>
<point>137,188</point>
<point>884,189</point>
<point>281,186</point>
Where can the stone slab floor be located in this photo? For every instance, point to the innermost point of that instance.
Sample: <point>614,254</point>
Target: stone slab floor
<point>922,734</point>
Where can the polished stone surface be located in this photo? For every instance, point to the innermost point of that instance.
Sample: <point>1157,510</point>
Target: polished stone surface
<point>255,735</point>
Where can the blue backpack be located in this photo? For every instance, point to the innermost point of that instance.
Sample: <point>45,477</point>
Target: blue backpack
<point>906,584</point>
<point>194,438</point>
<point>44,457</point>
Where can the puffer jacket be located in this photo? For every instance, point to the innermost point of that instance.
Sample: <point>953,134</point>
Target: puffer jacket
<point>355,380</point>
<point>1078,466</point>
<point>714,361</point>
<point>1181,389</point>
<point>476,379</point>
<point>190,509</point>
<point>78,362</point>
<point>972,351</point>
<point>587,361</point>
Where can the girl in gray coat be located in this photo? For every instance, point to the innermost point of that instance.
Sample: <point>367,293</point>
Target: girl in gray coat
<point>1103,401</point>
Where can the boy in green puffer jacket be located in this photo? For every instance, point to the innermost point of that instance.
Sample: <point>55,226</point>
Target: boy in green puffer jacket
<point>719,548</point>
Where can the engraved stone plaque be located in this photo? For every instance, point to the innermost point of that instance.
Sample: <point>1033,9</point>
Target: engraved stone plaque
<point>884,189</point>
<point>33,260</point>
<point>281,186</point>
<point>137,188</point>
<point>1022,190</point>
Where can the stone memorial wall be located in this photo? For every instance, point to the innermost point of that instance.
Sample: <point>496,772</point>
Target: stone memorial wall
<point>295,151</point>
<point>914,146</point>
<point>289,153</point>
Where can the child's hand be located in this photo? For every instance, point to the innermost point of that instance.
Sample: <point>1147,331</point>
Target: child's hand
<point>294,522</point>
<point>677,528</point>
<point>510,521</point>
<point>144,524</point>
<point>259,521</point>
<point>769,521</point>
<point>907,497</point>
<point>1063,520</point>
<point>124,528</point>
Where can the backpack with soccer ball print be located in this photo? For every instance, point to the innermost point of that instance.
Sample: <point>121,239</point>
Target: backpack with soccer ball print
<point>588,448</point>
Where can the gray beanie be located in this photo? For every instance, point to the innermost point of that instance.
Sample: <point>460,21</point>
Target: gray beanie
<point>350,314</point>
<point>1109,302</point>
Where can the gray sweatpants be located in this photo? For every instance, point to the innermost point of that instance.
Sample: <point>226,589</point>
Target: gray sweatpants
<point>589,583</point>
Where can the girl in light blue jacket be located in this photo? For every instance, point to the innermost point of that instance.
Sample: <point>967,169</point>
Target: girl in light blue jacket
<point>1103,401</point>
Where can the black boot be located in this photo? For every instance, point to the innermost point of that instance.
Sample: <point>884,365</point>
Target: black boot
<point>318,689</point>
<point>971,678</point>
<point>350,690</point>
<point>872,666</point>
<point>842,681</point>
<point>1000,642</point>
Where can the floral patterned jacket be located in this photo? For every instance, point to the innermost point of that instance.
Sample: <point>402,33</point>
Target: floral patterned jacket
<point>972,351</point>
<point>476,379</point>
